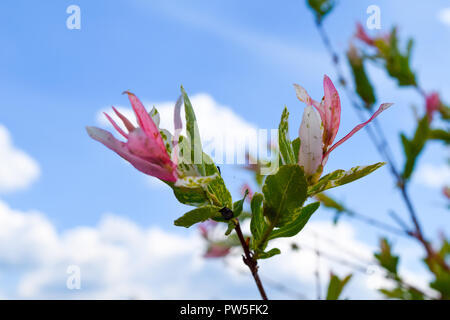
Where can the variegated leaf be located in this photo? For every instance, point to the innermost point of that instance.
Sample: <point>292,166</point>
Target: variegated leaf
<point>340,177</point>
<point>197,215</point>
<point>155,116</point>
<point>195,182</point>
<point>286,152</point>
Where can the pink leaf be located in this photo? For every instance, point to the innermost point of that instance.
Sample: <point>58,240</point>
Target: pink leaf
<point>383,107</point>
<point>433,104</point>
<point>145,121</point>
<point>304,97</point>
<point>125,121</point>
<point>164,172</point>
<point>362,35</point>
<point>332,108</point>
<point>216,251</point>
<point>114,124</point>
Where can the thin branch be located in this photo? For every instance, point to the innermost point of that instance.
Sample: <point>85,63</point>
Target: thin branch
<point>248,259</point>
<point>343,249</point>
<point>401,223</point>
<point>355,266</point>
<point>272,283</point>
<point>384,150</point>
<point>364,269</point>
<point>375,223</point>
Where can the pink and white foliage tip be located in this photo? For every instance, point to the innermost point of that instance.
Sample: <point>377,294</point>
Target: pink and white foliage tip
<point>432,103</point>
<point>144,147</point>
<point>319,127</point>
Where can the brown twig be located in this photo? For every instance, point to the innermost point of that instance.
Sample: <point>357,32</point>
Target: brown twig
<point>249,260</point>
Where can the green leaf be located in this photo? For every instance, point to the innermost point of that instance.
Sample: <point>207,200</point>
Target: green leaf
<point>402,293</point>
<point>340,177</point>
<point>330,203</point>
<point>385,257</point>
<point>193,134</point>
<point>444,111</point>
<point>239,205</point>
<point>231,227</point>
<point>286,152</point>
<point>193,197</point>
<point>439,134</point>
<point>336,286</point>
<point>197,215</point>
<point>284,195</point>
<point>414,147</point>
<point>397,64</point>
<point>199,191</point>
<point>218,193</point>
<point>406,145</point>
<point>321,7</point>
<point>396,293</point>
<point>415,295</point>
<point>268,254</point>
<point>185,166</point>
<point>210,166</point>
<point>200,182</point>
<point>297,225</point>
<point>362,83</point>
<point>296,148</point>
<point>195,182</point>
<point>442,284</point>
<point>257,223</point>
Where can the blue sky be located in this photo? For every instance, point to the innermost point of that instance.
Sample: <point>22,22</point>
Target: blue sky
<point>245,56</point>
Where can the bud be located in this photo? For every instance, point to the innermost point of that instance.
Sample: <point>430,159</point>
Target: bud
<point>311,147</point>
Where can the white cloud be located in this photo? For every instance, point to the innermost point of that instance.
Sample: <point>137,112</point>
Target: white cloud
<point>444,16</point>
<point>17,169</point>
<point>119,259</point>
<point>434,176</point>
<point>220,127</point>
<point>23,235</point>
